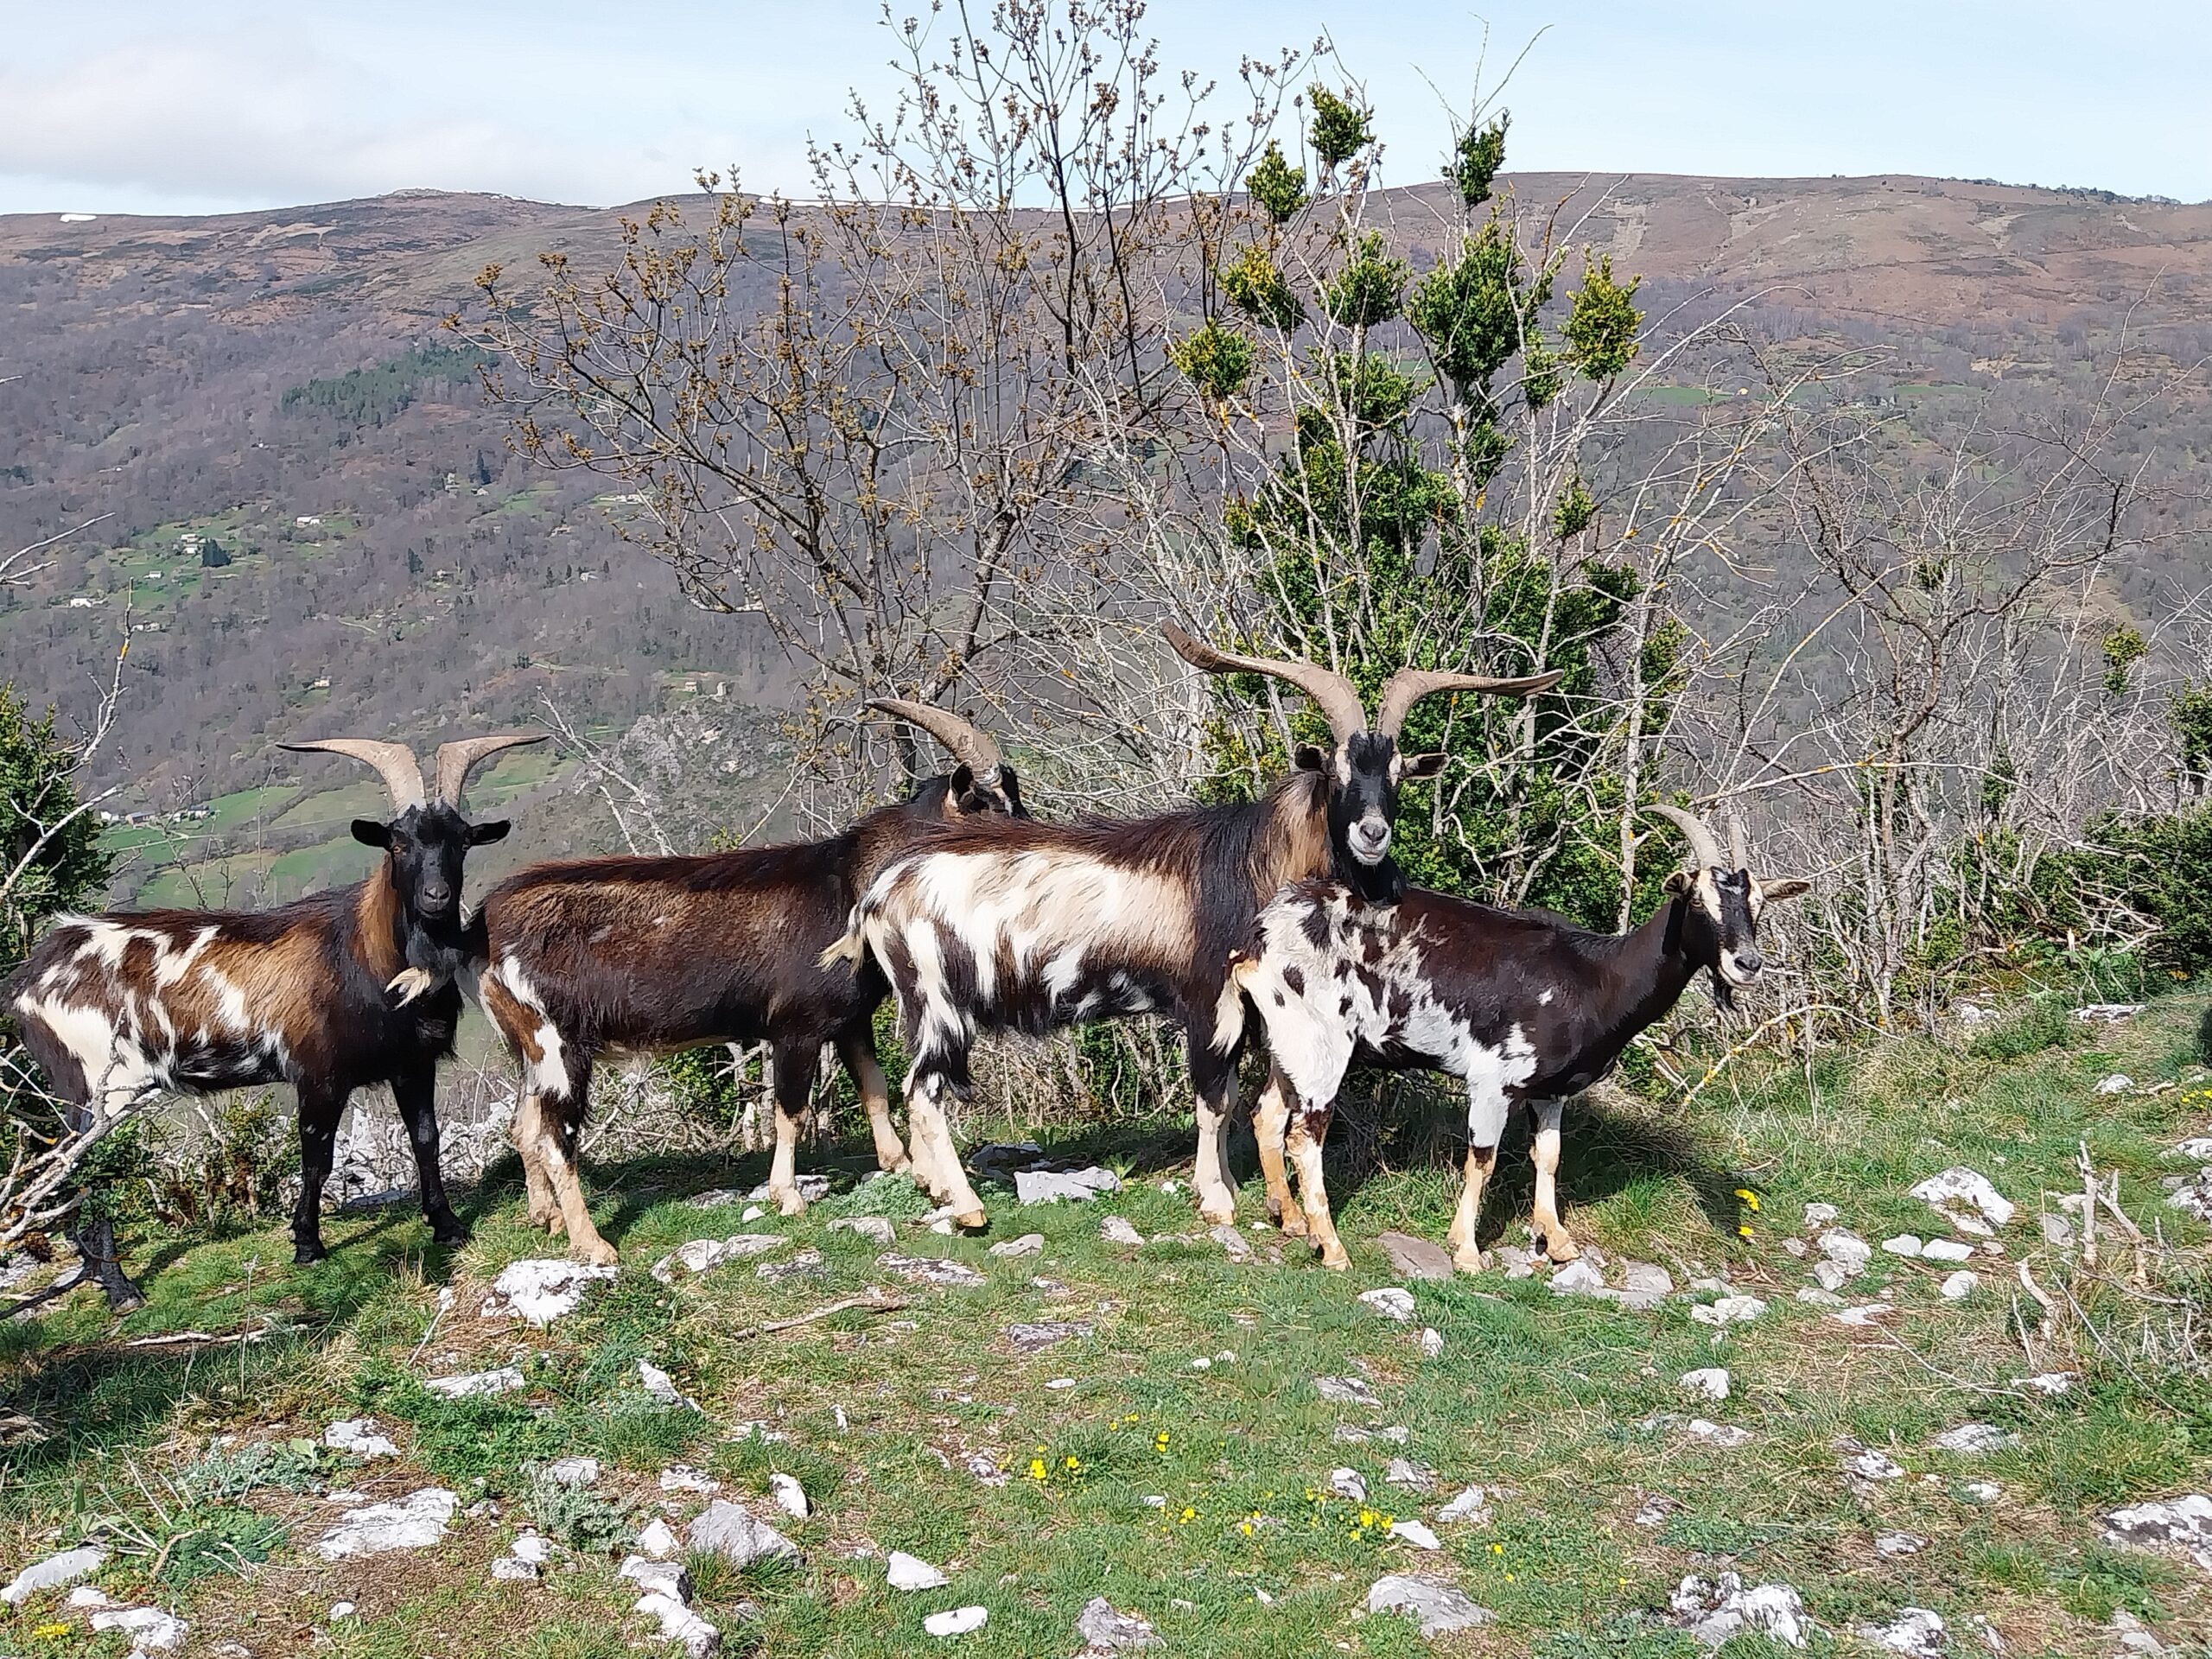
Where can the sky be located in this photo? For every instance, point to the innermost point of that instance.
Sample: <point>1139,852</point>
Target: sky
<point>187,106</point>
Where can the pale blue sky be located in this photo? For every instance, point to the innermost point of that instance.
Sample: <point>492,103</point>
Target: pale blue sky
<point>198,105</point>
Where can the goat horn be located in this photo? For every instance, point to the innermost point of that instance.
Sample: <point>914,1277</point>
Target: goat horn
<point>1409,685</point>
<point>967,743</point>
<point>1739,851</point>
<point>403,777</point>
<point>457,760</point>
<point>1332,694</point>
<point>1694,830</point>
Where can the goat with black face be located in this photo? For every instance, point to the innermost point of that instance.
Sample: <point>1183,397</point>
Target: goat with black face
<point>1524,1008</point>
<point>1032,927</point>
<point>339,990</point>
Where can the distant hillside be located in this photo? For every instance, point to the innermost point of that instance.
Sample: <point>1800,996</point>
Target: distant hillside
<point>308,525</point>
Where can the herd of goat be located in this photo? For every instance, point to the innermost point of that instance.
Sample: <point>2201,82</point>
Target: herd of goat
<point>1287,909</point>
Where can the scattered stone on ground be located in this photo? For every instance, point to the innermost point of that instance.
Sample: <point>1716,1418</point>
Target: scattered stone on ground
<point>1413,1533</point>
<point>2114,1083</point>
<point>1907,1244</point>
<point>1820,1298</point>
<point>2051,1381</point>
<point>1947,1250</point>
<point>1729,1309</point>
<point>1391,1302</point>
<point>1865,1313</point>
<point>1915,1630</point>
<point>2195,1198</point>
<point>2179,1526</point>
<point>1896,1544</point>
<point>1232,1242</point>
<point>986,1469</point>
<point>1973,1438</point>
<point>1709,1384</point>
<point>660,1388</point>
<point>805,1264</point>
<point>416,1521</point>
<point>750,1213</point>
<point>877,1230</point>
<point>1820,1214</point>
<point>1846,1250</point>
<point>929,1270</point>
<point>904,1572</point>
<point>1473,1504</point>
<point>1965,1199</point>
<point>714,1197</point>
<point>1713,1610</point>
<point>1027,1244</point>
<point>2109,1014</point>
<point>2198,1150</point>
<point>540,1291</point>
<point>1119,1229</point>
<point>1349,1484</point>
<point>999,1160</point>
<point>812,1188</point>
<point>1727,1436</point>
<point>1517,1262</point>
<point>1437,1608</point>
<point>1983,1491</point>
<point>2055,1229</point>
<point>358,1436</point>
<point>54,1573</point>
<point>1656,1509</point>
<point>88,1595</point>
<point>524,1557</point>
<point>1074,1186</point>
<point>683,1477</point>
<point>658,1540</point>
<point>1344,1390</point>
<point>572,1471</point>
<point>702,1254</point>
<point>1415,1258</point>
<point>1432,1343</point>
<point>790,1496</point>
<point>1036,1339</point>
<point>1644,1285</point>
<point>1957,1286</point>
<point>1863,1463</point>
<point>731,1531</point>
<point>504,1380</point>
<point>1105,1629</point>
<point>1578,1279</point>
<point>151,1629</point>
<point>959,1621</point>
<point>1415,1476</point>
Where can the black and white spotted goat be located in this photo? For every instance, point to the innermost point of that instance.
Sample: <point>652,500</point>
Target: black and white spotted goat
<point>1524,1008</point>
<point>340,989</point>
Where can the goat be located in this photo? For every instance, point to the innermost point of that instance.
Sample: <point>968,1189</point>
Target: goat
<point>648,954</point>
<point>1031,927</point>
<point>340,989</point>
<point>1522,1008</point>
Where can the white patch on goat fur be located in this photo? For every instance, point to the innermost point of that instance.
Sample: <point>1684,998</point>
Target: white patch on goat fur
<point>549,1073</point>
<point>1544,1001</point>
<point>172,965</point>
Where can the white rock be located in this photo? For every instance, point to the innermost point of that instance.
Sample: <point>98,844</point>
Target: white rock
<point>658,1578</point>
<point>2051,1381</point>
<point>572,1471</point>
<point>2055,1229</point>
<point>1957,1286</point>
<point>679,1623</point>
<point>1349,1484</point>
<point>1075,1186</point>
<point>1820,1298</point>
<point>1867,1313</point>
<point>1908,1245</point>
<point>660,1388</point>
<point>151,1629</point>
<point>1577,1278</point>
<point>2181,1525</point>
<point>1027,1244</point>
<point>86,1595</point>
<point>1432,1343</point>
<point>1983,1491</point>
<point>904,1572</point>
<point>54,1573</point>
<point>1344,1390</point>
<point>1869,1464</point>
<point>511,1569</point>
<point>1729,1309</point>
<point>812,1189</point>
<point>986,1470</point>
<point>1404,1472</point>
<point>1846,1249</point>
<point>541,1291</point>
<point>790,1496</point>
<point>1820,1214</point>
<point>1965,1199</point>
<point>1655,1510</point>
<point>2117,1083</point>
<point>957,1621</point>
<point>658,1540</point>
<point>1105,1629</point>
<point>1896,1544</point>
<point>1947,1250</point>
<point>1472,1504</point>
<point>2198,1151</point>
<point>1709,1384</point>
<point>1118,1230</point>
<point>877,1230</point>
<point>1415,1534</point>
<point>1644,1285</point>
<point>416,1521</point>
<point>341,1610</point>
<point>1712,1611</point>
<point>1391,1302</point>
<point>752,1213</point>
<point>1829,1275</point>
<point>358,1436</point>
<point>1727,1435</point>
<point>702,1254</point>
<point>1915,1630</point>
<point>929,1270</point>
<point>729,1530</point>
<point>1973,1438</point>
<point>529,1547</point>
<point>2110,1013</point>
<point>506,1380</point>
<point>1437,1608</point>
<point>683,1477</point>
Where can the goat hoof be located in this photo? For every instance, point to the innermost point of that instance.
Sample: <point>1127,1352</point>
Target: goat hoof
<point>1293,1224</point>
<point>1468,1260</point>
<point>1218,1212</point>
<point>790,1205</point>
<point>1562,1250</point>
<point>124,1298</point>
<point>1335,1259</point>
<point>597,1253</point>
<point>449,1230</point>
<point>971,1221</point>
<point>305,1252</point>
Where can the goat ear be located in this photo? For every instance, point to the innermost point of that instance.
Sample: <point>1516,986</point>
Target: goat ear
<point>1789,887</point>
<point>957,783</point>
<point>1421,765</point>
<point>1306,757</point>
<point>370,833</point>
<point>1678,883</point>
<point>495,830</point>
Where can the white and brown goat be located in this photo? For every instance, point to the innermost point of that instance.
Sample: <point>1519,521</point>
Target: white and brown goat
<point>1523,1008</point>
<point>1031,927</point>
<point>624,956</point>
<point>336,991</point>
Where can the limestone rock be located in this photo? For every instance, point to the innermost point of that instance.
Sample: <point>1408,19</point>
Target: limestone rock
<point>679,1623</point>
<point>957,1621</point>
<point>151,1629</point>
<point>1118,1230</point>
<point>1074,1186</point>
<point>1973,1438</point>
<point>1036,1339</point>
<point>701,1254</point>
<point>1729,1309</point>
<point>1965,1199</point>
<point>1847,1250</point>
<point>730,1531</point>
<point>1947,1250</point>
<point>1027,1244</point>
<point>904,1572</point>
<point>1709,1384</point>
<point>790,1496</point>
<point>658,1540</point>
<point>1437,1608</point>
<point>1957,1286</point>
<point>1413,1533</point>
<point>504,1380</point>
<point>1714,1610</point>
<point>929,1270</point>
<point>416,1521</point>
<point>812,1188</point>
<point>542,1291</point>
<point>877,1230</point>
<point>1473,1504</point>
<point>1349,1484</point>
<point>1105,1629</point>
<point>660,1388</point>
<point>54,1573</point>
<point>1391,1302</point>
<point>1415,1258</point>
<point>1432,1343</point>
<point>1914,1632</point>
<point>1904,1244</point>
<point>1345,1391</point>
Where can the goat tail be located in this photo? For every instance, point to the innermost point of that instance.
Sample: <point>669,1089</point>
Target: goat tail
<point>1228,1007</point>
<point>851,947</point>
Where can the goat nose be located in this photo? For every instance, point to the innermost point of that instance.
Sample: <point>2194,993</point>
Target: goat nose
<point>1749,963</point>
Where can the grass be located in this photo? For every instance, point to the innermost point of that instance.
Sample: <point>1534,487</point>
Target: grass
<point>1198,1497</point>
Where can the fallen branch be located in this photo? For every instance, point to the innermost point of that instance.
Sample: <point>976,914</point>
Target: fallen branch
<point>873,1301</point>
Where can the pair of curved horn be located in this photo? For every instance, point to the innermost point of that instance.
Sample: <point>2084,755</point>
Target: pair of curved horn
<point>403,774</point>
<point>1337,698</point>
<point>1703,842</point>
<point>967,744</point>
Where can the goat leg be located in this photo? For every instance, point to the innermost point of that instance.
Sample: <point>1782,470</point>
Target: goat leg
<point>319,1115</point>
<point>1559,1244</point>
<point>858,1053</point>
<point>1271,1126</point>
<point>1309,1129</point>
<point>415,1091</point>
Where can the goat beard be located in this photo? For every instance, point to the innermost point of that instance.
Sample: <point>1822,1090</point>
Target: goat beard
<point>1724,995</point>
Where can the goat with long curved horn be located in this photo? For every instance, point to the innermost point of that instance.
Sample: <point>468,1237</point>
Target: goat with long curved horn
<point>1703,842</point>
<point>456,760</point>
<point>395,763</point>
<point>1332,694</point>
<point>1409,685</point>
<point>1740,846</point>
<point>967,744</point>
